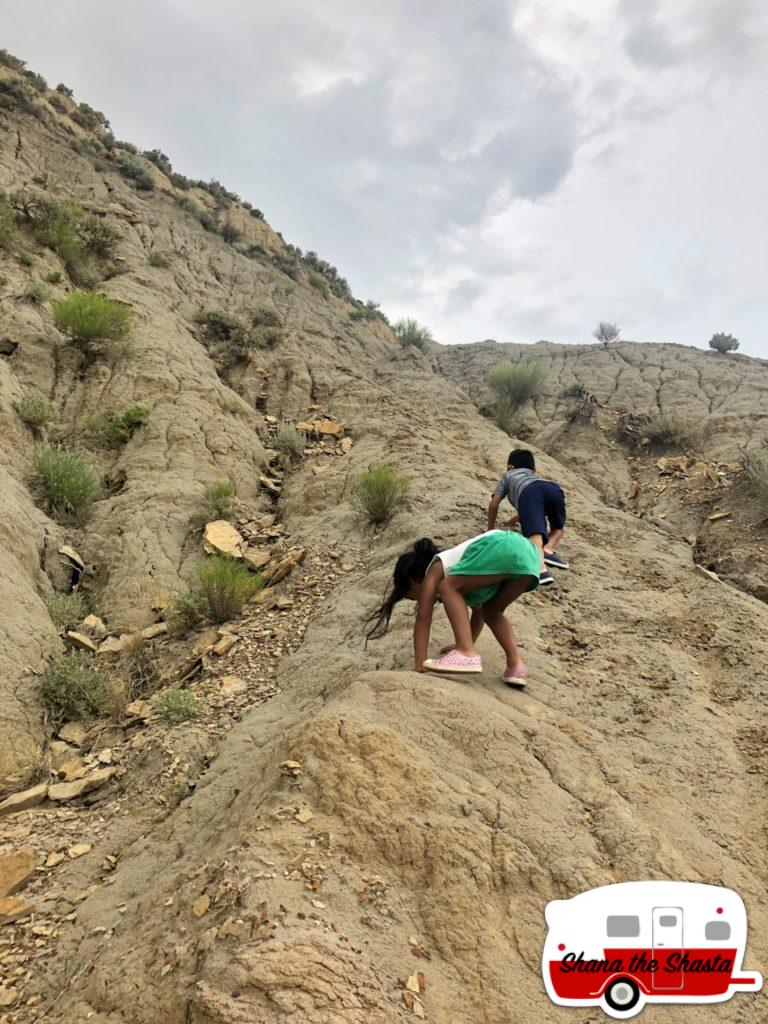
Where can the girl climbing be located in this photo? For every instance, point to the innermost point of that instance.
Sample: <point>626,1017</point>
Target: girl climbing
<point>486,573</point>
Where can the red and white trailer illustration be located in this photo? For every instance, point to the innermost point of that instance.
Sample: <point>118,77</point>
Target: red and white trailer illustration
<point>622,946</point>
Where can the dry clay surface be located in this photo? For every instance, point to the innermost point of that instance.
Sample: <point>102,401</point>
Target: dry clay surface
<point>444,815</point>
<point>368,824</point>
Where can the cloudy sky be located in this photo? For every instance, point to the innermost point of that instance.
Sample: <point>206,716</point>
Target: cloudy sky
<point>513,170</point>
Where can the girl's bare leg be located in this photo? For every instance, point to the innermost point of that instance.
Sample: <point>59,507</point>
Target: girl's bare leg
<point>493,612</point>
<point>451,591</point>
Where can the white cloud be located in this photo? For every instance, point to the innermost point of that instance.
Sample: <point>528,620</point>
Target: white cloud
<point>510,170</point>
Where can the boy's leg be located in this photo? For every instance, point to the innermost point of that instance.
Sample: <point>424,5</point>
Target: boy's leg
<point>493,613</point>
<point>554,539</point>
<point>538,540</point>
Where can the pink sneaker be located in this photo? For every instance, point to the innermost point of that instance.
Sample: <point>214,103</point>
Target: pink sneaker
<point>515,676</point>
<point>456,662</point>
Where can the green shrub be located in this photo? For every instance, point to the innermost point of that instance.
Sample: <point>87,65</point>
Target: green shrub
<point>175,705</point>
<point>63,482</point>
<point>723,343</point>
<point>288,263</point>
<point>156,259</point>
<point>319,283</point>
<point>136,172</point>
<point>88,118</point>
<point>8,60</point>
<point>36,81</point>
<point>66,610</point>
<point>574,391</point>
<point>235,407</point>
<point>667,430</point>
<point>184,613</point>
<point>15,95</point>
<point>54,277</point>
<point>218,503</point>
<point>229,232</point>
<point>7,222</point>
<point>3,280</point>
<point>55,223</point>
<point>72,688</point>
<point>410,332</point>
<point>756,474</point>
<point>225,585</point>
<point>606,332</point>
<point>65,90</point>
<point>90,318</point>
<point>370,311</point>
<point>289,440</point>
<point>379,493</point>
<point>37,293</point>
<point>99,236</point>
<point>515,384</point>
<point>26,259</point>
<point>267,326</point>
<point>228,335</point>
<point>35,410</point>
<point>116,428</point>
<point>159,159</point>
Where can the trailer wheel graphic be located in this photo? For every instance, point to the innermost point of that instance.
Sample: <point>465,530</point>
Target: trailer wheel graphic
<point>622,995</point>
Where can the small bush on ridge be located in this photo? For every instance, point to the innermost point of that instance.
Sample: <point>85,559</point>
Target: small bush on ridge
<point>218,503</point>
<point>515,385</point>
<point>63,482</point>
<point>114,428</point>
<point>72,688</point>
<point>175,705</point>
<point>66,610</point>
<point>88,318</point>
<point>723,343</point>
<point>225,584</point>
<point>666,430</point>
<point>35,410</point>
<point>379,493</point>
<point>606,332</point>
<point>411,332</point>
<point>38,293</point>
<point>289,440</point>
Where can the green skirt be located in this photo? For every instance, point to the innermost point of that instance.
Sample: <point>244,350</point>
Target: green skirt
<point>506,552</point>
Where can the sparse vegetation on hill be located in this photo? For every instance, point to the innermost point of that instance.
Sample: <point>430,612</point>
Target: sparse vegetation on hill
<point>378,493</point>
<point>515,385</point>
<point>667,430</point>
<point>289,440</point>
<point>756,476</point>
<point>63,482</point>
<point>35,410</point>
<point>135,171</point>
<point>723,343</point>
<point>411,332</point>
<point>115,428</point>
<point>225,584</point>
<point>66,610</point>
<point>73,689</point>
<point>218,503</point>
<point>93,320</point>
<point>606,332</point>
<point>7,222</point>
<point>175,705</point>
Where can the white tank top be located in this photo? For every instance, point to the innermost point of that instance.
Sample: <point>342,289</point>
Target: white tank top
<point>452,556</point>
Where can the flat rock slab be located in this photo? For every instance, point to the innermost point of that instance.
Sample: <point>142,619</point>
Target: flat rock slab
<point>27,798</point>
<point>221,538</point>
<point>16,869</point>
<point>12,908</point>
<point>64,791</point>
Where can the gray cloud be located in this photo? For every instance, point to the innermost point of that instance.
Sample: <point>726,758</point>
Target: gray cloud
<point>469,163</point>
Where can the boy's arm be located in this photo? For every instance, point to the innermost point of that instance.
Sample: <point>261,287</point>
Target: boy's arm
<point>493,509</point>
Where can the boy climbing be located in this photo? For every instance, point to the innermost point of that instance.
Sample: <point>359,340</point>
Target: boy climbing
<point>485,573</point>
<point>539,509</point>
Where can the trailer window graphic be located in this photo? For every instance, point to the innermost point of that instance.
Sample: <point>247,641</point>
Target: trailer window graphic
<point>622,946</point>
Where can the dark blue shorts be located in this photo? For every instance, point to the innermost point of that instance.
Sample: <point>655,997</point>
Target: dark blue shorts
<point>540,503</point>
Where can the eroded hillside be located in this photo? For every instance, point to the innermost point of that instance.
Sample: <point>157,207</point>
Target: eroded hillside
<point>335,839</point>
<point>695,490</point>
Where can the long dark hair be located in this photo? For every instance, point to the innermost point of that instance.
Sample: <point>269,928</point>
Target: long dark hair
<point>409,568</point>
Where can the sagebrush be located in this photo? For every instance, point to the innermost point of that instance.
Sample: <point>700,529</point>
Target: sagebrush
<point>378,493</point>
<point>63,482</point>
<point>66,609</point>
<point>72,688</point>
<point>218,503</point>
<point>225,584</point>
<point>668,430</point>
<point>35,410</point>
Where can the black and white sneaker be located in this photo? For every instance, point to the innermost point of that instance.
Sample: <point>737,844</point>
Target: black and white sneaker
<point>556,561</point>
<point>546,578</point>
